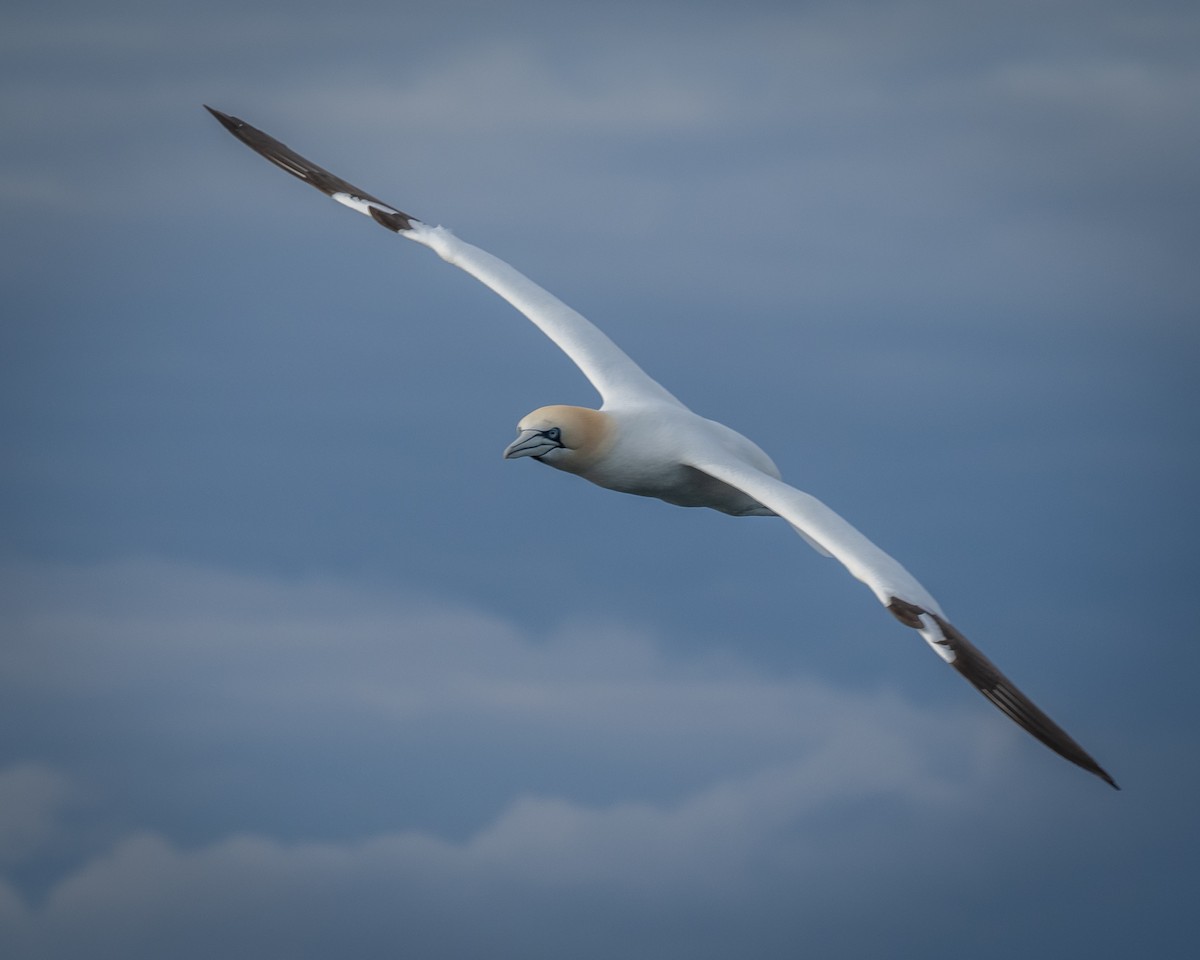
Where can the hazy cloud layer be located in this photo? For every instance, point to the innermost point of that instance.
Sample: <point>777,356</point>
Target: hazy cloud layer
<point>769,796</point>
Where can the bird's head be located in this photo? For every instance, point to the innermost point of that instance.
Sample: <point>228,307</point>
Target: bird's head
<point>568,438</point>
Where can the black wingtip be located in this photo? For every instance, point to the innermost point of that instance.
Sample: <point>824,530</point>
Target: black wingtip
<point>291,162</point>
<point>229,123</point>
<point>998,689</point>
<point>1103,775</point>
<point>986,677</point>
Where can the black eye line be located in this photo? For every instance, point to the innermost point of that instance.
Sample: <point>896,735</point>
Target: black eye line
<point>552,434</point>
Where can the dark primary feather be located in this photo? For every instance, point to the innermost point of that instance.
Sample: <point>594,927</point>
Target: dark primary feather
<point>328,183</point>
<point>986,677</point>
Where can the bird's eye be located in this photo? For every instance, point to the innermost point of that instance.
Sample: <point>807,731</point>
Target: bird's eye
<point>553,434</point>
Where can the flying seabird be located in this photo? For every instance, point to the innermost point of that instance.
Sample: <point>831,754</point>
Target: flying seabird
<point>644,441</point>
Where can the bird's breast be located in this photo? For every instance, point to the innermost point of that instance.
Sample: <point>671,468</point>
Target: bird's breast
<point>646,454</point>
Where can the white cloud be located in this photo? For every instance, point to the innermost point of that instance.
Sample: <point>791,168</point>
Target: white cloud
<point>540,859</point>
<point>233,649</point>
<point>179,659</point>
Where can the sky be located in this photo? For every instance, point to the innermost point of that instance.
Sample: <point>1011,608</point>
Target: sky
<point>293,664</point>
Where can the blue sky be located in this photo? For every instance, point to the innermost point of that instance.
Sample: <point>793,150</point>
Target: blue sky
<point>293,664</point>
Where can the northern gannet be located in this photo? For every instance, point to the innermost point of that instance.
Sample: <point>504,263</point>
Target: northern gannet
<point>643,441</point>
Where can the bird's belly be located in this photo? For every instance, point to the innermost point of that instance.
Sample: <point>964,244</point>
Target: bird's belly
<point>683,486</point>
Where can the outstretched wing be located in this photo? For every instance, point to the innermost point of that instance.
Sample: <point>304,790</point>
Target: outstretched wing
<point>614,375</point>
<point>899,591</point>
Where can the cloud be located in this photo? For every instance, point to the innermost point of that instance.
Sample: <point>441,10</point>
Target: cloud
<point>575,877</point>
<point>244,656</point>
<point>569,875</point>
<point>714,775</point>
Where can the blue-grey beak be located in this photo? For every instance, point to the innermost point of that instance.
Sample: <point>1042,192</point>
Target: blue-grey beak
<point>530,443</point>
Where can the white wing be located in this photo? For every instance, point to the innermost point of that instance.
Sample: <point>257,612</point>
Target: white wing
<point>900,592</point>
<point>614,375</point>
